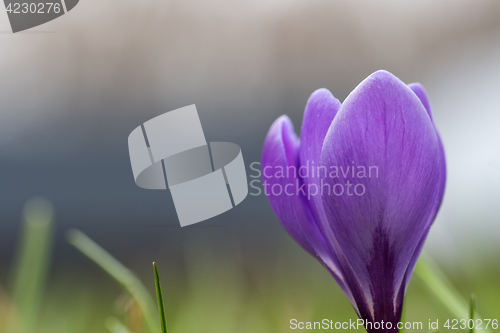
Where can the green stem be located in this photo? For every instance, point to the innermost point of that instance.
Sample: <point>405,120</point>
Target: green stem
<point>161,306</point>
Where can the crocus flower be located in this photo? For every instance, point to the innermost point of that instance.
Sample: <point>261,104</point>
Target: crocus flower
<point>366,228</point>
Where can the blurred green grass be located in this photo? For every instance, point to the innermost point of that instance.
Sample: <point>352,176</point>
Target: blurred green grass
<point>220,288</point>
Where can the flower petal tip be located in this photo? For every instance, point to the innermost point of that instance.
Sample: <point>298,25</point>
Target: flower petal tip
<point>421,93</point>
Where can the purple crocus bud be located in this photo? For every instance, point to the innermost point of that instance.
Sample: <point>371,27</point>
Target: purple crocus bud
<point>360,189</point>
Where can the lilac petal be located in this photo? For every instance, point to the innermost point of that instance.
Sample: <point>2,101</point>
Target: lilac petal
<point>413,262</point>
<point>280,151</point>
<point>320,110</point>
<point>319,113</point>
<point>421,93</point>
<point>381,124</point>
<point>442,176</point>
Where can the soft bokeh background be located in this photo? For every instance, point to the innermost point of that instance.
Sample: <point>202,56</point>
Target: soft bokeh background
<point>73,89</point>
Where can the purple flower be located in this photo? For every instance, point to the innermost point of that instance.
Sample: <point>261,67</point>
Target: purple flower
<point>361,188</point>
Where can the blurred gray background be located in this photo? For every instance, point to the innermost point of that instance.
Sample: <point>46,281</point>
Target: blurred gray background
<point>73,89</point>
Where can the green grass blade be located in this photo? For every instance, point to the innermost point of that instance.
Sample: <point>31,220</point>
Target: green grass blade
<point>118,272</point>
<point>473,304</point>
<point>161,306</point>
<point>31,264</point>
<point>441,289</point>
